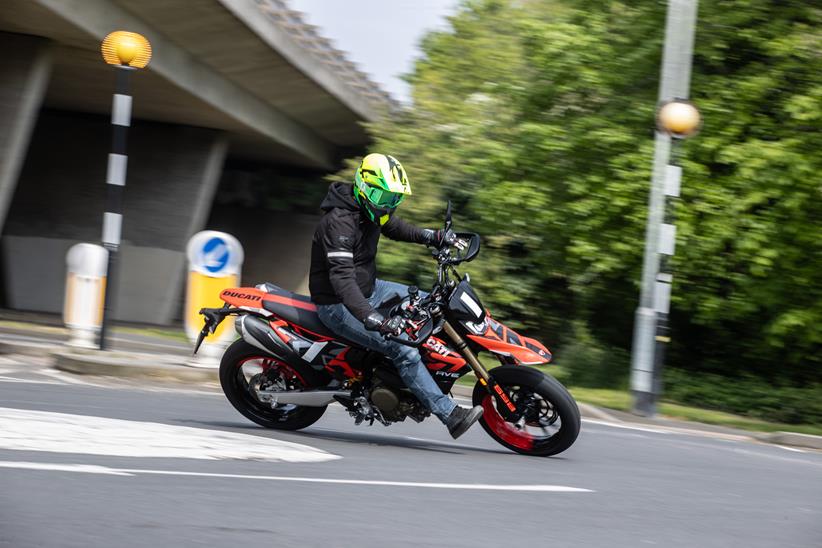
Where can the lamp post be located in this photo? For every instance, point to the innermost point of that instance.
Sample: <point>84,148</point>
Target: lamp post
<point>676,119</point>
<point>126,51</point>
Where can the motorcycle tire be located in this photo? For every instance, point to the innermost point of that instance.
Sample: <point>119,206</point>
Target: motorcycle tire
<point>236,389</point>
<point>553,398</point>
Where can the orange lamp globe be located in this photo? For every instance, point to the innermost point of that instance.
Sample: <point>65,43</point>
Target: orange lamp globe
<point>125,48</point>
<point>678,118</point>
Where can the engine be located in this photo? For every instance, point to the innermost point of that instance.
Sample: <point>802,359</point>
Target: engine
<point>384,399</point>
<point>395,404</point>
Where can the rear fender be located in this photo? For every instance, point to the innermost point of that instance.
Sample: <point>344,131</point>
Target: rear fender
<point>246,298</point>
<point>504,341</point>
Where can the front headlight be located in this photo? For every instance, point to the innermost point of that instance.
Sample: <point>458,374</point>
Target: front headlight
<point>478,328</point>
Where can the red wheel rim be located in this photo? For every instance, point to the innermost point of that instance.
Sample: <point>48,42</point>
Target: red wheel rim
<point>505,430</point>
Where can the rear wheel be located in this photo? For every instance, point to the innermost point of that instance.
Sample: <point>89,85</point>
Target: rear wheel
<point>244,366</point>
<point>550,422</point>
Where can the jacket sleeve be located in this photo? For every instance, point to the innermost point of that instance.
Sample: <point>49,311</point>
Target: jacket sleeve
<point>338,238</point>
<point>400,230</point>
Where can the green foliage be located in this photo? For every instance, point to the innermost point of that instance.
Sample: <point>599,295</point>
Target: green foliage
<point>588,363</point>
<point>535,118</point>
<point>748,395</point>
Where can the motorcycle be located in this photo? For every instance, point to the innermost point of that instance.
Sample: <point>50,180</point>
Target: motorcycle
<point>287,366</point>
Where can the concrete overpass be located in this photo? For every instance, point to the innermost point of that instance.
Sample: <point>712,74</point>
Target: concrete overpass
<point>237,91</point>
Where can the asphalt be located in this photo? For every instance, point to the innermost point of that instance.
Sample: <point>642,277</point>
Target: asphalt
<point>406,485</point>
<point>152,357</point>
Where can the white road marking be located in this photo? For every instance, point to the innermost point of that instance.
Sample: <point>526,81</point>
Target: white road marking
<point>625,426</point>
<point>26,430</point>
<point>81,468</point>
<point>671,430</point>
<point>84,468</point>
<point>794,449</point>
<point>63,378</point>
<point>66,378</point>
<point>26,381</point>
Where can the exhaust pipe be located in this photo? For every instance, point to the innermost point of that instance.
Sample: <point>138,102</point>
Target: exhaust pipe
<point>256,332</point>
<point>309,398</point>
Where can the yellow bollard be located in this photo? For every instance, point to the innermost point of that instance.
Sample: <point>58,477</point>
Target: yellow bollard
<point>85,288</point>
<point>215,260</point>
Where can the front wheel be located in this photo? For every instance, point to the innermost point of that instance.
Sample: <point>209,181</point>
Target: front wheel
<point>550,422</point>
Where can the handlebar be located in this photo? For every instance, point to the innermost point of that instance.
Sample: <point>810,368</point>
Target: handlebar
<point>409,310</point>
<point>448,255</point>
<point>422,335</point>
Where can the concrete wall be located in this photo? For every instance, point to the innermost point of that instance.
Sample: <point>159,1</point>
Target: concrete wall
<point>172,174</point>
<point>277,245</point>
<point>149,279</point>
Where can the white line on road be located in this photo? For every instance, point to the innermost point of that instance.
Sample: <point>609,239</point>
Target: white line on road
<point>624,426</point>
<point>26,430</point>
<point>26,381</point>
<point>67,378</point>
<point>792,449</point>
<point>671,430</point>
<point>90,469</point>
<point>80,468</point>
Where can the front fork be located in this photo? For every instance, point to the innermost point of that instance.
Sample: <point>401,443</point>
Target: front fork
<point>505,406</point>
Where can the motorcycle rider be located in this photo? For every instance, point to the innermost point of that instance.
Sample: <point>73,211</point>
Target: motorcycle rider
<point>344,284</point>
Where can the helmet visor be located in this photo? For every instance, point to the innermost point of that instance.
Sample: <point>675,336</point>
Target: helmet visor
<point>383,198</point>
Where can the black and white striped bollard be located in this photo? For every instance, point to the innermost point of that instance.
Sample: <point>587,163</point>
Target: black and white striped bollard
<point>126,51</point>
<point>115,185</point>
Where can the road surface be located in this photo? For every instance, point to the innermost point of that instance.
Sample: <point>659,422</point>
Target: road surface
<point>90,462</point>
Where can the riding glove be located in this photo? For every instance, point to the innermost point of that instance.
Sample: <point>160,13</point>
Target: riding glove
<point>386,326</point>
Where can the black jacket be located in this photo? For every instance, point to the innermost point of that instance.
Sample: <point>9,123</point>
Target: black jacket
<point>344,251</point>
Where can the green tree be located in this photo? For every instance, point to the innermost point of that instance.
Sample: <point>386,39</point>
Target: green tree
<point>535,118</point>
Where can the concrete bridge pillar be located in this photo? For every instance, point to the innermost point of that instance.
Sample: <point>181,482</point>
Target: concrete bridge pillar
<point>25,67</point>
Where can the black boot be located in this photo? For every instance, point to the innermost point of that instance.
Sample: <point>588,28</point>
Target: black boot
<point>461,419</point>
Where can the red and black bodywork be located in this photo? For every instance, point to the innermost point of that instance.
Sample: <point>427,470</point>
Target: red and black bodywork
<point>286,324</point>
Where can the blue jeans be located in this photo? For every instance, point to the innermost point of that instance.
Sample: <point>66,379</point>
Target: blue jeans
<point>407,360</point>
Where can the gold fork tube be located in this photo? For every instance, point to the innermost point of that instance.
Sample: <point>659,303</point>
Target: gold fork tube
<point>470,357</point>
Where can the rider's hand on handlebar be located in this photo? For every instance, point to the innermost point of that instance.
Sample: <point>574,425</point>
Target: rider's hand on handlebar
<point>449,238</point>
<point>386,326</point>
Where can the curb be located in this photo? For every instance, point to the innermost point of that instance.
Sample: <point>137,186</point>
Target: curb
<point>26,348</point>
<point>589,411</point>
<point>35,348</point>
<point>792,439</point>
<point>135,366</point>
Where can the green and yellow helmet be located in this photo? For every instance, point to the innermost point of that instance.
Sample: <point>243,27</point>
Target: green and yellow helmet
<point>380,184</point>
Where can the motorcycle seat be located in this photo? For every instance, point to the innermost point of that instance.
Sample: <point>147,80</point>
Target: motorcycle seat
<point>294,308</point>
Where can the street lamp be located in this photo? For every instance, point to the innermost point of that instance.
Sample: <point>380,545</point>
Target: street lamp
<point>676,119</point>
<point>126,51</point>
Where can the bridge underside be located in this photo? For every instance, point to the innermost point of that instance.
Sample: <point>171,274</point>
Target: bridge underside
<point>216,94</point>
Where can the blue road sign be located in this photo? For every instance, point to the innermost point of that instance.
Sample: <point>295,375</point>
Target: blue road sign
<point>215,254</point>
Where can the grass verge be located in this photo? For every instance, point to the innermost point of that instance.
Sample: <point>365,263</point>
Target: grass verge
<point>621,401</point>
<point>165,333</point>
